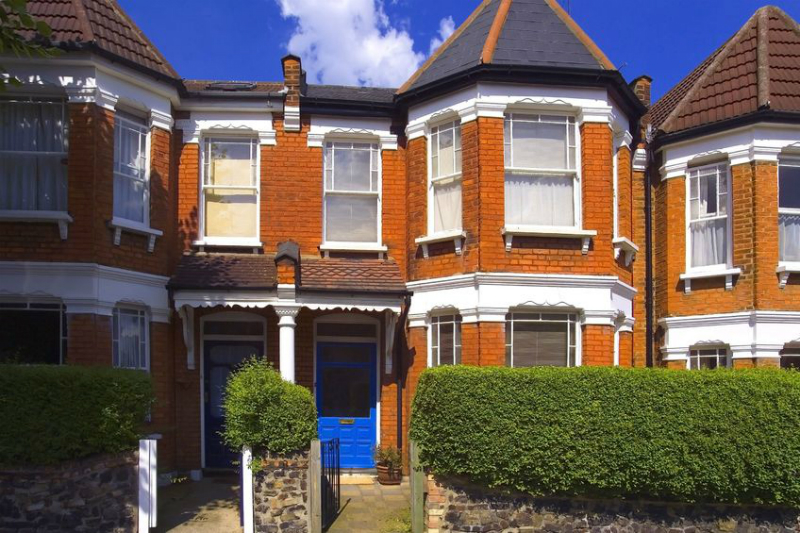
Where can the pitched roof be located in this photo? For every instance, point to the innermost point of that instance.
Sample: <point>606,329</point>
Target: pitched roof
<point>350,93</point>
<point>513,33</point>
<point>756,69</point>
<point>356,275</point>
<point>231,87</point>
<point>101,24</point>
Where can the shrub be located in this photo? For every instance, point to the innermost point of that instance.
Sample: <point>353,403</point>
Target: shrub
<point>706,436</point>
<point>50,414</point>
<point>266,413</point>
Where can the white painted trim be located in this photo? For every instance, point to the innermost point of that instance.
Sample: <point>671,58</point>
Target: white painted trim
<point>291,118</point>
<point>640,160</point>
<point>148,484</point>
<point>161,120</point>
<point>247,491</point>
<point>264,299</point>
<point>784,270</point>
<point>727,273</point>
<point>120,224</point>
<point>376,130</point>
<point>86,287</point>
<point>61,218</point>
<point>226,123</point>
<point>457,236</point>
<point>510,231</point>
<point>623,245</point>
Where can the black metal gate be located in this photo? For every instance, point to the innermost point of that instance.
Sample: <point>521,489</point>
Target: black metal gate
<point>329,451</point>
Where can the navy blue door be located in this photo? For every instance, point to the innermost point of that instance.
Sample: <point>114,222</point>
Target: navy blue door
<point>346,399</point>
<point>221,358</point>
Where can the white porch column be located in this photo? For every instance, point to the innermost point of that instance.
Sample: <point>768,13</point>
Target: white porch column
<point>286,324</point>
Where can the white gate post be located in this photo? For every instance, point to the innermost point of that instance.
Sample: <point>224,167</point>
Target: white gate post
<point>247,490</point>
<point>148,483</point>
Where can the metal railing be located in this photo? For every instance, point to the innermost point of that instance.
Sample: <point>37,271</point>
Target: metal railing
<point>330,471</point>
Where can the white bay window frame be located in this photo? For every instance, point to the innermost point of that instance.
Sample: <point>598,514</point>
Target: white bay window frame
<point>330,190</point>
<point>718,354</point>
<point>570,318</point>
<point>454,320</point>
<point>142,319</point>
<point>124,122</point>
<point>793,262</point>
<point>206,185</point>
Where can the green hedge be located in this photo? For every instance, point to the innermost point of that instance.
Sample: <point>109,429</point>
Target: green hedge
<point>266,413</point>
<point>705,436</point>
<point>50,414</point>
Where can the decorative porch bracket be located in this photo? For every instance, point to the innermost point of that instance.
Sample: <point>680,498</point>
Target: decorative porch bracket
<point>186,313</point>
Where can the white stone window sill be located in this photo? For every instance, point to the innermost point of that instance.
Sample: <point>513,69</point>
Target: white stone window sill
<point>358,247</point>
<point>120,224</point>
<point>727,273</point>
<point>61,218</point>
<point>623,245</point>
<point>457,236</point>
<point>549,231</point>
<point>228,242</point>
<point>785,269</point>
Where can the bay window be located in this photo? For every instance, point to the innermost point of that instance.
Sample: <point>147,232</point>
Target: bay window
<point>33,333</point>
<point>352,192</point>
<point>709,240</point>
<point>33,153</point>
<point>541,176</point>
<point>445,340</point>
<point>708,358</point>
<point>230,190</point>
<point>445,184</point>
<point>541,339</point>
<point>789,210</point>
<point>130,338</point>
<point>131,187</point>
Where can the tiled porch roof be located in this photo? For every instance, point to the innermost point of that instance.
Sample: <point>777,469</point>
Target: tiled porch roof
<point>258,272</point>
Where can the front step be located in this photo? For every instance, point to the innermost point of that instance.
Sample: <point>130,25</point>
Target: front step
<point>358,476</point>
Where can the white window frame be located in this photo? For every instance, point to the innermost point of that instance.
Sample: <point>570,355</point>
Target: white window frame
<point>375,151</point>
<point>615,167</point>
<point>57,215</point>
<point>573,330</point>
<point>720,353</point>
<point>144,130</point>
<point>206,139</point>
<point>436,320</point>
<point>728,265</point>
<point>795,163</point>
<point>508,147</point>
<point>44,306</point>
<point>433,181</point>
<point>143,315</point>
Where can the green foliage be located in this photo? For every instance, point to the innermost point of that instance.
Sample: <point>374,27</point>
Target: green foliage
<point>388,456</point>
<point>266,413</point>
<point>50,414</point>
<point>22,35</point>
<point>706,436</point>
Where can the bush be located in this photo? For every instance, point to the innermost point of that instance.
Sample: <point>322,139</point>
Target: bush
<point>705,436</point>
<point>266,413</point>
<point>50,414</point>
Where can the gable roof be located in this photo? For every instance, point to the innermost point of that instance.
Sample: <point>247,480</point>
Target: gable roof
<point>758,69</point>
<point>101,25</point>
<point>512,33</point>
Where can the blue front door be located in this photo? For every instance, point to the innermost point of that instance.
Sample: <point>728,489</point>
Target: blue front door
<point>346,399</point>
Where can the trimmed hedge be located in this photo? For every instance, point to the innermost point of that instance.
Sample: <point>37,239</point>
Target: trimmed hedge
<point>693,436</point>
<point>266,413</point>
<point>50,414</point>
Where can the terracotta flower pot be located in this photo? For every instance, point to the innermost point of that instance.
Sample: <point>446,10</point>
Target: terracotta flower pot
<point>389,476</point>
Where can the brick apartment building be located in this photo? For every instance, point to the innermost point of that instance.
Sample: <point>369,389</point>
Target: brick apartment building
<point>491,211</point>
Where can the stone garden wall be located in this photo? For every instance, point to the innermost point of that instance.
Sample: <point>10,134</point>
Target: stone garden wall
<point>87,495</point>
<point>280,494</point>
<point>454,505</point>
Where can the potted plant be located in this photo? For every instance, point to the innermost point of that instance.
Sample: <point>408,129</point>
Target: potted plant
<point>389,463</point>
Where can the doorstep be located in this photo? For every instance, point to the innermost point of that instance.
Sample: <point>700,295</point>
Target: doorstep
<point>358,476</point>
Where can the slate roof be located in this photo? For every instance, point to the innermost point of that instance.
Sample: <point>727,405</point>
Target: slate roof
<point>758,69</point>
<point>257,272</point>
<point>101,24</point>
<point>351,94</point>
<point>232,87</point>
<point>514,33</point>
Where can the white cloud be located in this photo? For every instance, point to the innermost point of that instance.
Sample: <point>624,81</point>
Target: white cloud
<point>350,42</point>
<point>446,29</point>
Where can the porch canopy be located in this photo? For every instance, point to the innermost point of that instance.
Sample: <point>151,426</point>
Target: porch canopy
<point>287,284</point>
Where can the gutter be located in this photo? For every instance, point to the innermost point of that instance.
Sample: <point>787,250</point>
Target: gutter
<point>353,108</point>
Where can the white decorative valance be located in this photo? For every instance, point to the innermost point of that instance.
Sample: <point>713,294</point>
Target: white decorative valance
<point>223,123</point>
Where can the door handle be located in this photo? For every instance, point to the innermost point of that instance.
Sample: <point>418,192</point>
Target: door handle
<point>346,421</point>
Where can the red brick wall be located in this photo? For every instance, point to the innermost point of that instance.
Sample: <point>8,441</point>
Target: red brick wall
<point>626,349</point>
<point>598,345</point>
<point>639,268</point>
<point>89,340</point>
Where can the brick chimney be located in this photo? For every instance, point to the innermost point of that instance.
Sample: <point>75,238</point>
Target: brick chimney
<point>641,86</point>
<point>292,82</point>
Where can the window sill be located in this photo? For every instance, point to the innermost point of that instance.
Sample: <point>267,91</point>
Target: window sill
<point>228,242</point>
<point>549,231</point>
<point>784,270</point>
<point>359,247</point>
<point>727,273</point>
<point>623,245</point>
<point>119,225</point>
<point>61,218</point>
<point>457,236</point>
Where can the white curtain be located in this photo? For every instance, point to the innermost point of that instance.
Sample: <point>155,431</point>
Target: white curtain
<point>351,218</point>
<point>789,237</point>
<point>447,207</point>
<point>30,181</point>
<point>709,242</point>
<point>540,200</point>
<point>539,145</point>
<point>129,171</point>
<point>130,350</point>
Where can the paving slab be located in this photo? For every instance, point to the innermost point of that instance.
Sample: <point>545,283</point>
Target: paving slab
<point>210,505</point>
<point>371,508</point>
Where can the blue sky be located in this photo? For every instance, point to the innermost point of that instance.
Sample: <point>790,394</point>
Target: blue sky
<point>377,43</point>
